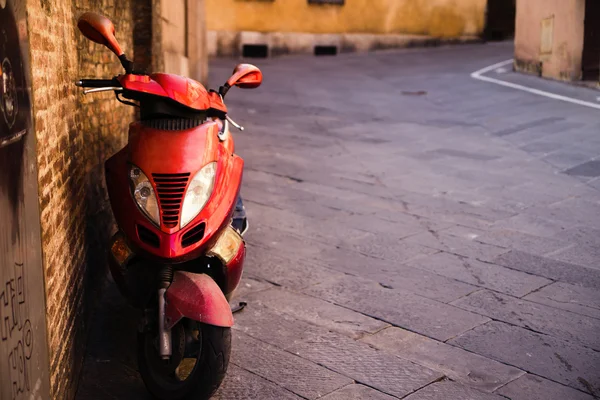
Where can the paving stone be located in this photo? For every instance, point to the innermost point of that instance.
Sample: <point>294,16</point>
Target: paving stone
<point>291,372</point>
<point>298,247</point>
<point>588,256</point>
<point>534,316</point>
<point>582,235</point>
<point>532,387</point>
<point>567,159</point>
<point>590,168</point>
<point>317,312</point>
<point>357,392</point>
<point>280,330</point>
<point>420,281</point>
<point>540,148</point>
<point>366,365</point>
<point>595,183</point>
<point>337,352</point>
<point>457,245</point>
<point>241,384</point>
<point>465,154</point>
<point>457,364</point>
<point>287,272</point>
<point>401,226</point>
<point>443,216</point>
<point>448,210</point>
<point>450,390</point>
<point>511,239</point>
<point>400,308</point>
<point>534,225</point>
<point>339,262</point>
<point>481,274</point>
<point>568,214</point>
<point>302,225</point>
<point>530,193</point>
<point>531,124</point>
<point>530,135</point>
<point>386,248</point>
<point>577,299</point>
<point>543,355</point>
<point>248,285</point>
<point>552,269</point>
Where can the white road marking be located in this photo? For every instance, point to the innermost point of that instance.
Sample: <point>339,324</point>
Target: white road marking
<point>479,76</point>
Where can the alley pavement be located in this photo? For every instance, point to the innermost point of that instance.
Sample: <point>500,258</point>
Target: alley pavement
<point>414,234</point>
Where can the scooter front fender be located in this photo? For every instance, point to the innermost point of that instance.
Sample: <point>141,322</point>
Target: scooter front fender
<point>197,297</point>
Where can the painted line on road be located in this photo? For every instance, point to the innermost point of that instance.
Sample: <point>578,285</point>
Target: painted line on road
<point>478,75</point>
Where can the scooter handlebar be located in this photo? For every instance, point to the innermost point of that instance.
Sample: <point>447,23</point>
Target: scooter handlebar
<point>97,83</point>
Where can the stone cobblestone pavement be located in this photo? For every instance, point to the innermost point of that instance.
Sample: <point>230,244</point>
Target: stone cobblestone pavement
<point>414,233</point>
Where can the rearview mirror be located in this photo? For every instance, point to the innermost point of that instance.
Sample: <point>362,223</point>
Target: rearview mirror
<point>245,76</point>
<point>99,29</point>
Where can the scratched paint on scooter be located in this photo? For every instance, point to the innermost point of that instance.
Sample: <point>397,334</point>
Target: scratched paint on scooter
<point>195,296</point>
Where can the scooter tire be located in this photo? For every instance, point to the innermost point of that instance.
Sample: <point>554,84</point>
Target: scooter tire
<point>206,376</point>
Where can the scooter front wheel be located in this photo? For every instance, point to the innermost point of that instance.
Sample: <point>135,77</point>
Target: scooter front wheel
<point>197,366</point>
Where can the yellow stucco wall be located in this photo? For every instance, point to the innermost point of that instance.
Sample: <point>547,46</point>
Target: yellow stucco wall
<point>562,59</point>
<point>440,18</point>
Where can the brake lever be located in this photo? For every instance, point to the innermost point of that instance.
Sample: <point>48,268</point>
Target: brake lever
<point>222,134</point>
<point>232,122</point>
<point>103,89</point>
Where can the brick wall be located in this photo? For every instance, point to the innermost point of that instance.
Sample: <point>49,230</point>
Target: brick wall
<point>75,134</point>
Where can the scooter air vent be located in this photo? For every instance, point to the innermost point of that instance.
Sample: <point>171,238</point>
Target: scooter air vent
<point>170,189</point>
<point>148,237</point>
<point>173,124</point>
<point>194,235</point>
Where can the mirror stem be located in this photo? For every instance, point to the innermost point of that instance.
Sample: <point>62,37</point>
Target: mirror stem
<point>224,89</point>
<point>127,64</point>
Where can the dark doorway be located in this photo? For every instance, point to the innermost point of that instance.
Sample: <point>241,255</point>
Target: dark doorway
<point>255,51</point>
<point>590,62</point>
<point>325,50</point>
<point>500,20</point>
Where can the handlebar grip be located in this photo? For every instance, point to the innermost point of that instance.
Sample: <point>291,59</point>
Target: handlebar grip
<point>97,83</point>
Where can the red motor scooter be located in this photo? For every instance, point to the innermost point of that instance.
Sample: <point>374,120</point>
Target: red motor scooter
<point>174,191</point>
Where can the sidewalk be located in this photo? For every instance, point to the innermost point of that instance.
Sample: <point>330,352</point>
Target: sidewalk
<point>414,233</point>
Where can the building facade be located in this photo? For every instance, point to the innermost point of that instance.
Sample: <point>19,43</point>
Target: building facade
<point>292,26</point>
<point>558,39</point>
<point>59,209</point>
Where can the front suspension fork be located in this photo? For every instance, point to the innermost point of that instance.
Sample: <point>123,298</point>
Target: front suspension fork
<point>164,334</point>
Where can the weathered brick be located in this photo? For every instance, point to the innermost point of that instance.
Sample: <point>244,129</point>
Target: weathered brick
<point>66,155</point>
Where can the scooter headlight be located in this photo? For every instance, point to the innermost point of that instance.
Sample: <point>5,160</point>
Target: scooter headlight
<point>143,193</point>
<point>198,193</point>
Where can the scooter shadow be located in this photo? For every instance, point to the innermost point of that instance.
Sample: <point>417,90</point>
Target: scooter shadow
<point>110,365</point>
